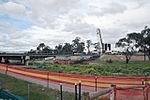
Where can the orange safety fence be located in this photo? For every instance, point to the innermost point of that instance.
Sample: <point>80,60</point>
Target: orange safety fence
<point>107,96</point>
<point>128,93</point>
<point>71,79</point>
<point>133,94</point>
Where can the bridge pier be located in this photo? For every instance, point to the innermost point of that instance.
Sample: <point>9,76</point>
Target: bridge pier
<point>3,60</point>
<point>0,59</point>
<point>27,58</point>
<point>23,60</point>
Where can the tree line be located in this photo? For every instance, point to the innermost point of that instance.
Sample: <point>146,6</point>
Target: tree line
<point>131,43</point>
<point>77,46</point>
<point>135,42</point>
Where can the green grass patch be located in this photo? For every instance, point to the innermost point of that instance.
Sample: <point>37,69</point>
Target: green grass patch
<point>37,92</point>
<point>100,68</point>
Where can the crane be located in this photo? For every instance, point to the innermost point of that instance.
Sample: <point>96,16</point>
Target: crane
<point>100,42</point>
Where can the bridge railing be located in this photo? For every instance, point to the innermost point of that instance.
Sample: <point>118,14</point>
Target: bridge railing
<point>25,54</point>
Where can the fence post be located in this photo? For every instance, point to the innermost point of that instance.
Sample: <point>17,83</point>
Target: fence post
<point>96,83</point>
<point>114,87</point>
<point>61,96</point>
<point>86,96</point>
<point>48,79</point>
<point>6,69</point>
<point>28,91</point>
<point>145,92</point>
<point>143,82</point>
<point>79,90</point>
<point>76,95</point>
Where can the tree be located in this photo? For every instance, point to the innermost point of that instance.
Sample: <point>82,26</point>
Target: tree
<point>41,47</point>
<point>75,44</point>
<point>142,40</point>
<point>78,47</point>
<point>128,47</point>
<point>81,47</point>
<point>32,51</point>
<point>47,49</point>
<point>146,37</point>
<point>89,43</point>
<point>67,49</point>
<point>59,48</point>
<point>38,49</point>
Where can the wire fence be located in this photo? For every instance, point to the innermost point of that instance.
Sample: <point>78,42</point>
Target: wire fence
<point>22,90</point>
<point>125,88</point>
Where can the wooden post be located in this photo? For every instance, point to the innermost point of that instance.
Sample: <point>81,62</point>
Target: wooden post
<point>76,94</point>
<point>61,96</point>
<point>145,92</point>
<point>95,83</point>
<point>143,82</point>
<point>99,93</point>
<point>114,87</point>
<point>6,69</point>
<point>79,90</point>
<point>28,91</point>
<point>48,79</point>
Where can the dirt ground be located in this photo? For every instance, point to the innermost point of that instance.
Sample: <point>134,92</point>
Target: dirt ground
<point>122,58</point>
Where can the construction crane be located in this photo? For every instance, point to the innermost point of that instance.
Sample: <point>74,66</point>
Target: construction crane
<point>100,42</point>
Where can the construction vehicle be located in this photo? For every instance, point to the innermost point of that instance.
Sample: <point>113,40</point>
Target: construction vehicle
<point>80,58</point>
<point>102,47</point>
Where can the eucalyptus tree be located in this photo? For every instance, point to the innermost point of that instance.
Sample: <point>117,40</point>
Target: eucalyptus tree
<point>89,43</point>
<point>58,49</point>
<point>128,47</point>
<point>142,41</point>
<point>41,47</point>
<point>47,49</point>
<point>146,35</point>
<point>67,48</point>
<point>77,45</point>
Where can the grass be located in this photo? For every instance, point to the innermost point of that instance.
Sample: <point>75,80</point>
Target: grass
<point>37,92</point>
<point>100,68</point>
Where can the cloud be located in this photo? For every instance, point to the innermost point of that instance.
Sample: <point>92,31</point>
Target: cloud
<point>12,8</point>
<point>49,13</point>
<point>2,37</point>
<point>6,26</point>
<point>30,38</point>
<point>113,8</point>
<point>58,21</point>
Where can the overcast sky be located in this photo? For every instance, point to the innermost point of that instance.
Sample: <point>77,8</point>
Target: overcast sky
<point>26,23</point>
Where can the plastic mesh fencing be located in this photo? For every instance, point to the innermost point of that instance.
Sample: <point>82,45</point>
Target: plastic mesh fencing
<point>108,96</point>
<point>87,80</point>
<point>147,93</point>
<point>130,94</point>
<point>142,93</point>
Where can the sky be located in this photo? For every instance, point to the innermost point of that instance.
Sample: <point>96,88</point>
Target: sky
<point>26,23</point>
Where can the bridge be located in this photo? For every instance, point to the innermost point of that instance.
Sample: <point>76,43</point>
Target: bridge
<point>23,57</point>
